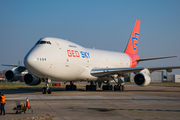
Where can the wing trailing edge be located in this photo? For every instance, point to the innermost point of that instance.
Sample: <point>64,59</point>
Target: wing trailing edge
<point>101,72</point>
<point>146,59</point>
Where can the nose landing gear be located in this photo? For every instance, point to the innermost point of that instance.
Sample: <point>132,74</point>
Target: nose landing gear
<point>47,89</point>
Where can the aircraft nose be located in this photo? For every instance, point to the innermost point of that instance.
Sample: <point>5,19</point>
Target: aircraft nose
<point>29,60</point>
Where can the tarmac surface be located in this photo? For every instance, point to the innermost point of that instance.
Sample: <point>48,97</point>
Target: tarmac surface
<point>135,103</point>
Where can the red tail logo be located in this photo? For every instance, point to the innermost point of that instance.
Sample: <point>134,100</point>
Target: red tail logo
<point>133,41</point>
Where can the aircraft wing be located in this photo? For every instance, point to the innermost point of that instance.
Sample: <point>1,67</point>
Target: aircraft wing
<point>20,68</point>
<point>145,59</point>
<point>100,72</point>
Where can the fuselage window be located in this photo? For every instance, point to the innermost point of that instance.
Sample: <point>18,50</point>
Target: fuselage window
<point>48,42</point>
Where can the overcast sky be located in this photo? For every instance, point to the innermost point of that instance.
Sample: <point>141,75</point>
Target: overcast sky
<point>103,24</point>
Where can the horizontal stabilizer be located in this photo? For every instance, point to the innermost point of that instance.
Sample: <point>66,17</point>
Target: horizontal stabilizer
<point>146,59</point>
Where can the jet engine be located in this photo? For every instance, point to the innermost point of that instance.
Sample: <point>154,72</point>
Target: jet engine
<point>13,75</point>
<point>30,79</point>
<point>142,78</point>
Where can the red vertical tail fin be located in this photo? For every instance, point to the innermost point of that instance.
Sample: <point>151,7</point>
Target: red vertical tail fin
<point>132,45</point>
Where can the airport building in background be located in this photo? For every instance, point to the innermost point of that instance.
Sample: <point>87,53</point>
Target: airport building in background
<point>158,76</point>
<point>173,78</point>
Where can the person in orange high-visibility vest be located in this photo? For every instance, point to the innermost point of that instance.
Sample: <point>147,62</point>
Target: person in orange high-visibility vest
<point>3,102</point>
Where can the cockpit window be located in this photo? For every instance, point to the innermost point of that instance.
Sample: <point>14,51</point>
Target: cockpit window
<point>43,42</point>
<point>48,42</point>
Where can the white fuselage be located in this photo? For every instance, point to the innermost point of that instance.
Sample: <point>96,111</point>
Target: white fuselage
<point>61,60</point>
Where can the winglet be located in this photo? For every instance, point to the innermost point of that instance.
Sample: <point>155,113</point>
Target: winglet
<point>132,45</point>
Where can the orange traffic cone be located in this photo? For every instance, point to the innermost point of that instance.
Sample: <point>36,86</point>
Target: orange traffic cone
<point>27,103</point>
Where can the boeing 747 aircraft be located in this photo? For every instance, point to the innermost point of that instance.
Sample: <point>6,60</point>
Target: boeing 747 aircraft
<point>54,59</point>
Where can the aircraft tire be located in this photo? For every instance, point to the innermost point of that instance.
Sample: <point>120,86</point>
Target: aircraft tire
<point>94,87</point>
<point>49,91</point>
<point>67,87</point>
<point>116,88</point>
<point>122,87</point>
<point>86,87</point>
<point>91,87</point>
<point>44,90</point>
<point>110,87</point>
<point>104,87</point>
<point>107,87</point>
<point>74,87</point>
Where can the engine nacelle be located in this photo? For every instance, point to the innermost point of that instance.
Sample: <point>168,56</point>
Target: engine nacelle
<point>142,78</point>
<point>13,75</point>
<point>30,79</point>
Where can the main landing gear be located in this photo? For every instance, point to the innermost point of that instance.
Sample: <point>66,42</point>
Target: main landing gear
<point>120,84</point>
<point>107,86</point>
<point>118,87</point>
<point>47,88</point>
<point>91,86</point>
<point>71,86</point>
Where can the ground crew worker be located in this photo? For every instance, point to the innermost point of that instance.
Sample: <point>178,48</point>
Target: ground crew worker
<point>3,102</point>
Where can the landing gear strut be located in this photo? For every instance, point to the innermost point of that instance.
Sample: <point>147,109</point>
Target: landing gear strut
<point>47,88</point>
<point>71,86</point>
<point>120,84</point>
<point>91,86</point>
